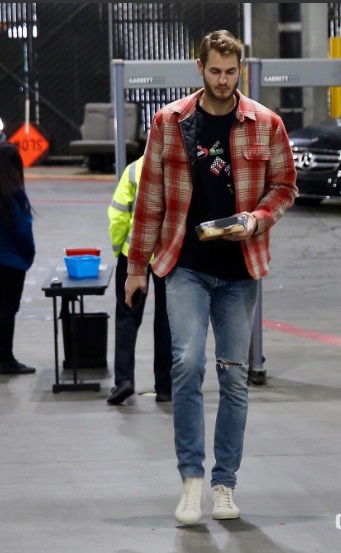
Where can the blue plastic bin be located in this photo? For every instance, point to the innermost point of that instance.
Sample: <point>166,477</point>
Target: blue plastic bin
<point>82,266</point>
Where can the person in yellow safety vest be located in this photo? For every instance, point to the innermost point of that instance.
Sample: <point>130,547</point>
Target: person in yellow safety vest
<point>128,320</point>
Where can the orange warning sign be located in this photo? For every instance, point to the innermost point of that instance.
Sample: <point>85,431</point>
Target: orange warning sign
<point>32,144</point>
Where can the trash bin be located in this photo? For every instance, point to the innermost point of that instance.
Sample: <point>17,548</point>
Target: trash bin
<point>91,339</point>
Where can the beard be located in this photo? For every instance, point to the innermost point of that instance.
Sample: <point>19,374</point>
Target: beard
<point>222,95</point>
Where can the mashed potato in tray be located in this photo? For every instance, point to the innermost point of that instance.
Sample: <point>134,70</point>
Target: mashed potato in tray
<point>215,229</point>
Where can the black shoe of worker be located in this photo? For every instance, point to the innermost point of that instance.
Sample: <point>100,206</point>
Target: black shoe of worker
<point>163,397</point>
<point>14,367</point>
<point>119,393</point>
<point>257,377</point>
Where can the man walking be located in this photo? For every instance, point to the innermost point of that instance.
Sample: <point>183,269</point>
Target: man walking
<point>210,155</point>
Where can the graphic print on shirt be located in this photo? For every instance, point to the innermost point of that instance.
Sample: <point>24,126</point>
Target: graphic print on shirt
<point>215,150</point>
<point>202,152</point>
<point>228,170</point>
<point>218,164</point>
<point>214,188</point>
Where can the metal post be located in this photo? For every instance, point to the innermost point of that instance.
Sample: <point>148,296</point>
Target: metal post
<point>335,91</point>
<point>247,13</point>
<point>256,371</point>
<point>290,46</point>
<point>117,94</point>
<point>254,78</point>
<point>55,332</point>
<point>110,34</point>
<point>257,356</point>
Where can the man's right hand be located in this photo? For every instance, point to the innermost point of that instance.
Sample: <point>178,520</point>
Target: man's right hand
<point>133,283</point>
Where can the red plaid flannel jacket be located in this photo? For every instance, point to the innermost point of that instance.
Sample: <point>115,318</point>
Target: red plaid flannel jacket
<point>264,179</point>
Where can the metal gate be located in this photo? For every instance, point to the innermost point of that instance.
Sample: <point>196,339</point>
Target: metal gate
<point>56,57</point>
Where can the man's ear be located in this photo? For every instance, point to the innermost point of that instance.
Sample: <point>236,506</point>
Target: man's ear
<point>200,67</point>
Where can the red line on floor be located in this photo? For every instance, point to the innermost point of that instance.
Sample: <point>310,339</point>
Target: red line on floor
<point>66,178</point>
<point>61,201</point>
<point>304,333</point>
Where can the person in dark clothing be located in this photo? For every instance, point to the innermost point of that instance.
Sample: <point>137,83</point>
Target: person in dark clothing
<point>17,251</point>
<point>128,320</point>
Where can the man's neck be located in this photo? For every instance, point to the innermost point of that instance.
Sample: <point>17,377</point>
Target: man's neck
<point>215,107</point>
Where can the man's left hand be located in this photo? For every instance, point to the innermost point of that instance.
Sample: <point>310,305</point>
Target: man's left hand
<point>243,234</point>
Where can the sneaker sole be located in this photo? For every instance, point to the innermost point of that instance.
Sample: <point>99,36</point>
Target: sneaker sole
<point>225,516</point>
<point>189,521</point>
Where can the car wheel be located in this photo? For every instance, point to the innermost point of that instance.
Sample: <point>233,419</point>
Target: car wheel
<point>308,201</point>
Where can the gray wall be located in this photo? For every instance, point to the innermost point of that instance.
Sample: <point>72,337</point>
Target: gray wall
<point>315,45</point>
<point>265,44</point>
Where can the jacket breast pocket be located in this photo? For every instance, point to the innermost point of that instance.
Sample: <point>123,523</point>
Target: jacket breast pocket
<point>257,152</point>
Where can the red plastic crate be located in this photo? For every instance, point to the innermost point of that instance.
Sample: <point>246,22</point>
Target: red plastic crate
<point>82,251</point>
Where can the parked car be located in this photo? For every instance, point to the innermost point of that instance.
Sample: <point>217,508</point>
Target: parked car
<point>2,132</point>
<point>317,154</point>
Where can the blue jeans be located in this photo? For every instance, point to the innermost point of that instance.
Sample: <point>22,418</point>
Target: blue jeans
<point>194,299</point>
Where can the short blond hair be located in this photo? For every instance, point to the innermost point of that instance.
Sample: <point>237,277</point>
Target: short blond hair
<point>223,42</point>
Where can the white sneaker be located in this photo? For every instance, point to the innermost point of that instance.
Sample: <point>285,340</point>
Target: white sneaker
<point>223,504</point>
<point>189,509</point>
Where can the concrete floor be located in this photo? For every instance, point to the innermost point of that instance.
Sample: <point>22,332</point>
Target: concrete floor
<point>79,475</point>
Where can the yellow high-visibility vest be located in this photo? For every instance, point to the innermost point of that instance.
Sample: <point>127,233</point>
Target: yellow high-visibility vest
<point>122,207</point>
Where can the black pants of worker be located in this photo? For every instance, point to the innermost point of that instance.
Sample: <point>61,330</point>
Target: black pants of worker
<point>11,288</point>
<point>127,323</point>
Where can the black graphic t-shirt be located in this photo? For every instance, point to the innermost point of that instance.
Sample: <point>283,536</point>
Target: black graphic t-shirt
<point>213,198</point>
